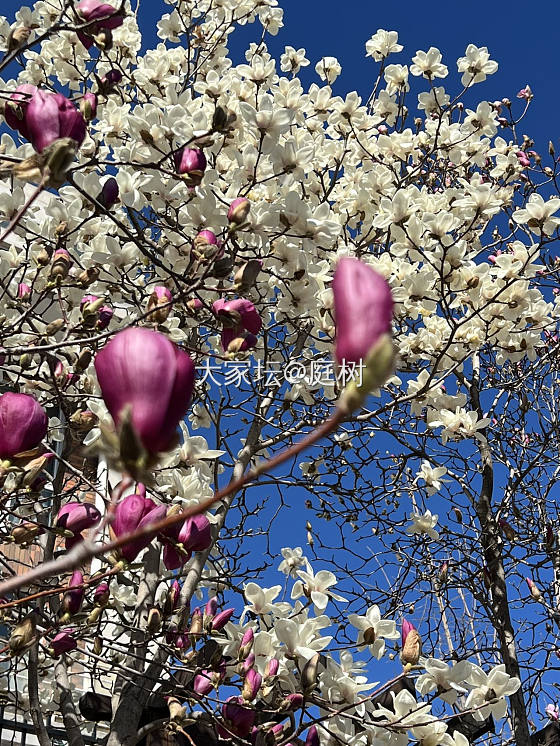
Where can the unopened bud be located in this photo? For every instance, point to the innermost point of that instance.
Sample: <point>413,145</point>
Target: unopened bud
<point>54,327</point>
<point>153,624</point>
<point>309,674</point>
<point>22,635</point>
<point>26,533</point>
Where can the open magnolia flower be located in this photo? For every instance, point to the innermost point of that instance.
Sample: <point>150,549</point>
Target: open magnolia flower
<point>489,692</point>
<point>446,680</point>
<point>373,631</point>
<point>316,587</point>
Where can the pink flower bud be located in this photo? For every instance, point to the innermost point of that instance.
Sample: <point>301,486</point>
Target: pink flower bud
<point>251,685</point>
<point>239,314</point>
<point>203,683</point>
<point>194,535</point>
<point>50,116</point>
<point>211,607</point>
<point>109,194</point>
<point>525,93</point>
<point>246,644</point>
<point>221,619</point>
<point>104,316</point>
<point>205,237</point>
<point>534,589</point>
<point>406,629</point>
<point>238,718</point>
<point>411,643</point>
<point>312,737</point>
<point>523,159</point>
<point>190,162</point>
<point>174,594</point>
<point>159,304</point>
<point>72,599</point>
<point>272,667</point>
<point>553,712</point>
<point>77,517</point>
<point>104,15</point>
<point>293,702</point>
<point>238,210</point>
<point>24,291</point>
<point>101,594</point>
<point>132,513</point>
<point>363,309</point>
<point>88,106</point>
<point>234,343</point>
<point>110,80</point>
<point>143,370</point>
<point>23,424</point>
<point>62,643</point>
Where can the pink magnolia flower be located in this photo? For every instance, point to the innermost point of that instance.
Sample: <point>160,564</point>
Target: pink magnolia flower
<point>50,116</point>
<point>23,424</point>
<point>72,599</point>
<point>77,517</point>
<point>101,594</point>
<point>104,15</point>
<point>238,210</point>
<point>238,718</point>
<point>143,370</point>
<point>411,643</point>
<point>221,619</point>
<point>190,162</point>
<point>312,737</point>
<point>241,321</point>
<point>63,642</point>
<point>251,685</point>
<point>363,307</point>
<point>24,291</point>
<point>159,304</point>
<point>193,536</point>
<point>132,513</point>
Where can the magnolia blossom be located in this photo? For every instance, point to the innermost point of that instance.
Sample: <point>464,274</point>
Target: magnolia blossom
<point>447,680</point>
<point>382,44</point>
<point>293,560</point>
<point>432,477</point>
<point>316,587</point>
<point>490,690</point>
<point>373,631</point>
<point>423,524</point>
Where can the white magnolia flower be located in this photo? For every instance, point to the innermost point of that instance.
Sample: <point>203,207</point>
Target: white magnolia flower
<point>489,691</point>
<point>423,524</point>
<point>538,214</point>
<point>372,629</point>
<point>328,68</point>
<point>446,680</point>
<point>293,560</point>
<point>382,44</point>
<point>475,65</point>
<point>428,64</point>
<point>292,60</point>
<point>432,476</point>
<point>316,587</point>
<point>259,600</point>
<point>301,636</point>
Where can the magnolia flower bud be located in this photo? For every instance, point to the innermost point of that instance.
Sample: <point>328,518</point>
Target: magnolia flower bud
<point>50,117</point>
<point>72,599</point>
<point>62,643</point>
<point>245,277</point>
<point>507,529</point>
<point>101,594</point>
<point>143,372</point>
<point>61,263</point>
<point>88,106</point>
<point>22,635</point>
<point>312,737</point>
<point>196,626</point>
<point>26,533</point>
<point>203,683</point>
<point>77,517</point>
<point>153,623</point>
<point>246,644</point>
<point>190,163</point>
<point>238,719</point>
<point>101,17</point>
<point>411,643</point>
<point>109,194</point>
<point>109,81</point>
<point>309,674</point>
<point>205,238</point>
<point>24,291</point>
<point>132,513</point>
<point>534,589</point>
<point>272,667</point>
<point>221,619</point>
<point>83,420</point>
<point>159,304</point>
<point>363,311</point>
<point>292,702</point>
<point>23,424</point>
<point>251,685</point>
<point>238,211</point>
<point>195,535</point>
<point>193,306</point>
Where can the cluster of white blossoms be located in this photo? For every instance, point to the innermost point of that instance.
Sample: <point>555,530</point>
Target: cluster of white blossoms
<point>433,196</point>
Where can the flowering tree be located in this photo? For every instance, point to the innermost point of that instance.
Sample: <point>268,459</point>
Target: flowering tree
<point>362,297</point>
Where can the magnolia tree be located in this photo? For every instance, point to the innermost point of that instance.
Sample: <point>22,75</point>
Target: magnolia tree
<point>236,312</point>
